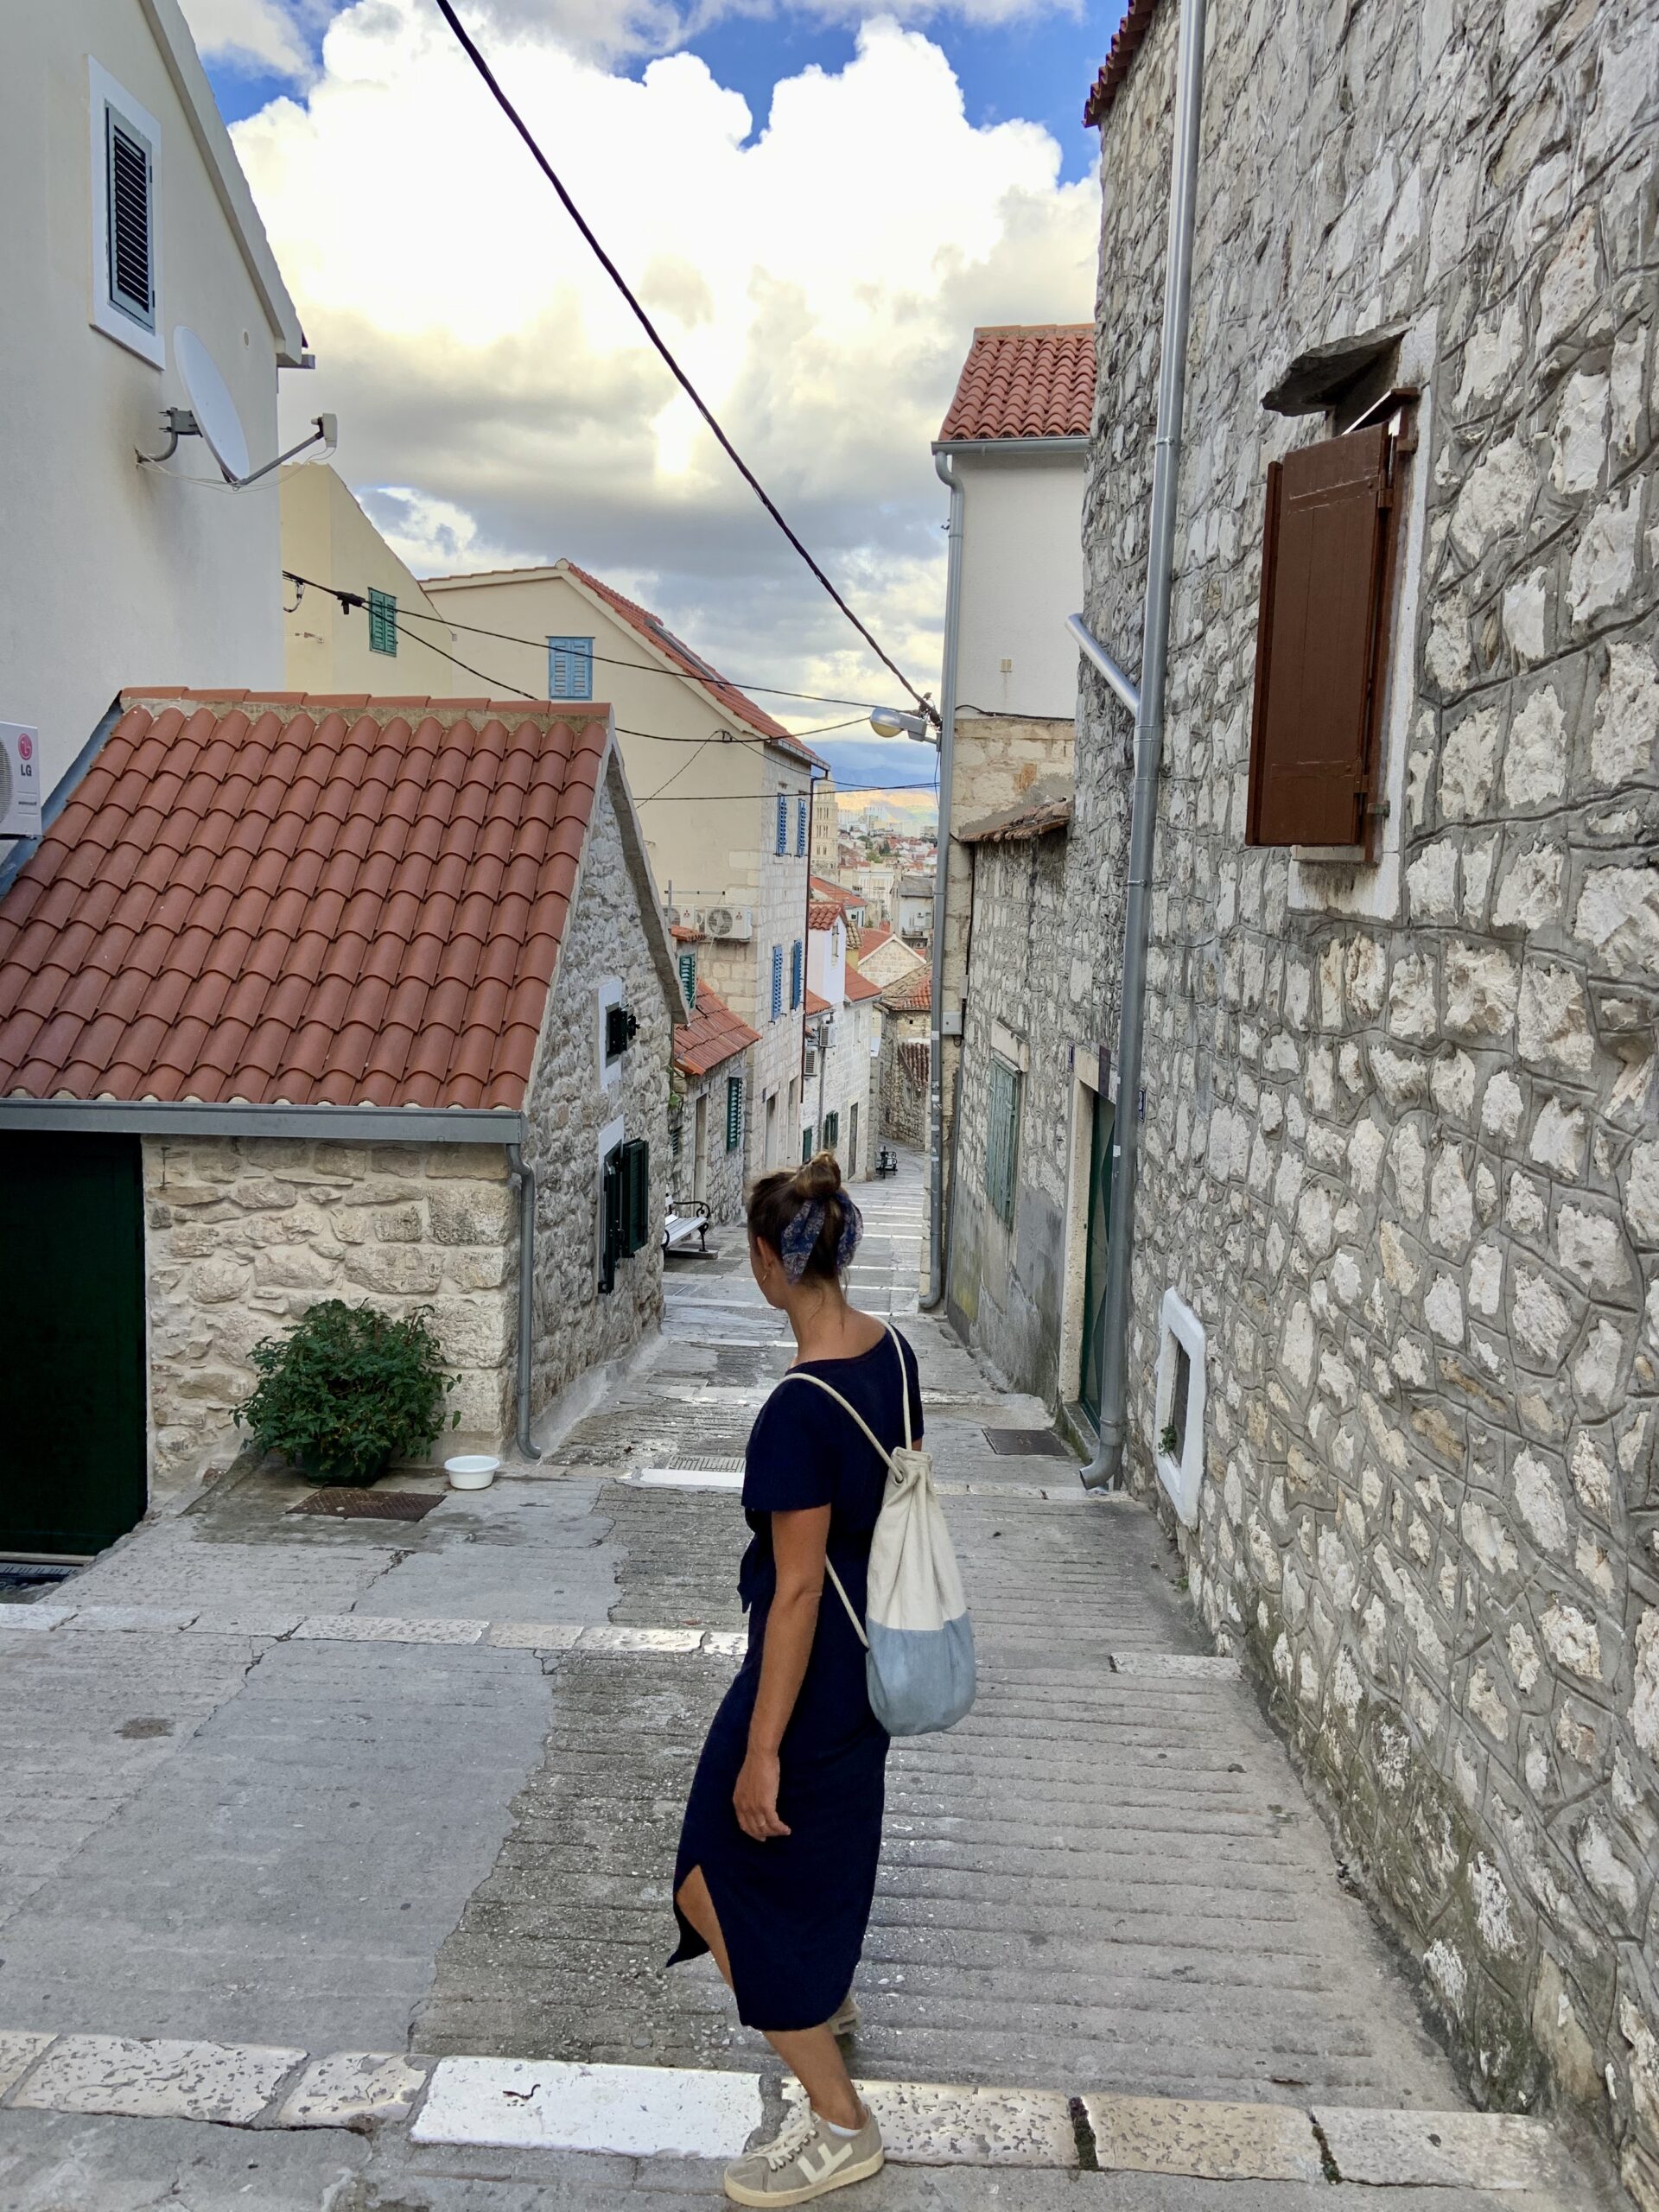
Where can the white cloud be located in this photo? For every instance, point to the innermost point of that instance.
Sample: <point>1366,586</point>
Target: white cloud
<point>820,281</point>
<point>265,36</point>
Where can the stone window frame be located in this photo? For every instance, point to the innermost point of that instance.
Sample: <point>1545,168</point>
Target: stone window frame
<point>1335,881</point>
<point>613,1133</point>
<point>1092,1077</point>
<point>610,991</point>
<point>1181,1329</point>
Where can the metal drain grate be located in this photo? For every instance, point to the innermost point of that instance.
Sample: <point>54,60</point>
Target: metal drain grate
<point>15,1576</point>
<point>1025,1443</point>
<point>368,1504</point>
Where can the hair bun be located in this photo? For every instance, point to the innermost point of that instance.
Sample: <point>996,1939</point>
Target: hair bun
<point>820,1179</point>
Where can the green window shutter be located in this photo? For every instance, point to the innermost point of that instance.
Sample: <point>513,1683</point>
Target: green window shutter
<point>382,622</point>
<point>610,1218</point>
<point>689,978</point>
<point>734,1112</point>
<point>831,1130</point>
<point>807,1144</point>
<point>1001,1139</point>
<point>636,1176</point>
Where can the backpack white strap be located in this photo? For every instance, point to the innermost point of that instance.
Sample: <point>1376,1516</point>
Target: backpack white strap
<point>904,1382</point>
<point>858,1625</point>
<point>800,1375</point>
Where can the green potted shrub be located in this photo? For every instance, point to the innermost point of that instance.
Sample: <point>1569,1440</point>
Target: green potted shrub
<point>347,1391</point>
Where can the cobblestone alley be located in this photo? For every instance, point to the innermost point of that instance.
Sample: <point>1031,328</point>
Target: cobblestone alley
<point>318,1832</point>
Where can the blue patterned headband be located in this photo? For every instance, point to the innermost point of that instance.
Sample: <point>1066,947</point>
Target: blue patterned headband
<point>802,1233</point>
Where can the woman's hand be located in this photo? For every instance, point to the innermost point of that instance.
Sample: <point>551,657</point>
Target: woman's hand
<point>755,1798</point>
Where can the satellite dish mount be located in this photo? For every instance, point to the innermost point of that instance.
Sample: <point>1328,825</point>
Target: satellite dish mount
<point>211,416</point>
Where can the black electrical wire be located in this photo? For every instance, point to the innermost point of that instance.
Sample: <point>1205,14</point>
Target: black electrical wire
<point>877,791</point>
<point>448,12</point>
<point>400,615</point>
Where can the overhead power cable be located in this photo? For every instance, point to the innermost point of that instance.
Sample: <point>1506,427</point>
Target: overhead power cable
<point>400,615</point>
<point>878,791</point>
<point>448,12</point>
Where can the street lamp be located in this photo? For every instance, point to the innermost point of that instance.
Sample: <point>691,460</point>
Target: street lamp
<point>889,721</point>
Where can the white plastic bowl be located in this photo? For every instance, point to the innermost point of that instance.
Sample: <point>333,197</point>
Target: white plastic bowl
<point>471,1471</point>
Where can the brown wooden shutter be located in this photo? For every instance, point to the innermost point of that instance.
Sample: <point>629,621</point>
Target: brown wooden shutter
<point>1321,645</point>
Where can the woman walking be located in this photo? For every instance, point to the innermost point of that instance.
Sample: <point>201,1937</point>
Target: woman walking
<point>783,1828</point>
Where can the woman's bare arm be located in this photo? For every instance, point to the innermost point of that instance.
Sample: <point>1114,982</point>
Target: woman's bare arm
<point>797,1548</point>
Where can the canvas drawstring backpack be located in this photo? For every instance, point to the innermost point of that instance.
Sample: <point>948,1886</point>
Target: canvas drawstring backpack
<point>918,1639</point>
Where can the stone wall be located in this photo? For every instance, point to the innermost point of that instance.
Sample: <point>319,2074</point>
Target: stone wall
<point>575,1323</point>
<point>722,1171</point>
<point>1404,1166</point>
<point>903,1077</point>
<point>245,1233</point>
<point>1004,1289</point>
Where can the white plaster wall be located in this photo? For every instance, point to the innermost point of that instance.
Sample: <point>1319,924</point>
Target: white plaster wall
<point>327,536</point>
<point>110,574</point>
<point>1021,575</point>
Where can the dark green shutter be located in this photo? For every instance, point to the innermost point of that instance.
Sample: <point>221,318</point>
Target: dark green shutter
<point>636,1177</point>
<point>734,1112</point>
<point>689,978</point>
<point>806,1143</point>
<point>831,1131</point>
<point>382,622</point>
<point>1001,1138</point>
<point>610,1217</point>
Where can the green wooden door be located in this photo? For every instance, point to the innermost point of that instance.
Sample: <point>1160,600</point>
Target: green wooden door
<point>72,1320</point>
<point>1094,1276</point>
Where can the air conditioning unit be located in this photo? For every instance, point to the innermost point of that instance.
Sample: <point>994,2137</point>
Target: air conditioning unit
<point>737,922</point>
<point>685,917</point>
<point>20,781</point>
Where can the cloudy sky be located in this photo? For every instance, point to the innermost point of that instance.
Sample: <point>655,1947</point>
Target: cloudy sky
<point>817,203</point>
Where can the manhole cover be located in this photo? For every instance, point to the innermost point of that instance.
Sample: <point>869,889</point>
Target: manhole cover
<point>368,1504</point>
<point>1025,1443</point>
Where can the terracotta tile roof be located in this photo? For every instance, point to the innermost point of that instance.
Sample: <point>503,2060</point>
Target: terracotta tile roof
<point>815,1004</point>
<point>834,894</point>
<point>308,899</point>
<point>681,934</point>
<point>870,937</point>
<point>713,1034</point>
<point>861,987</point>
<point>821,915</point>
<point>911,994</point>
<point>652,628</point>
<point>1025,380</point>
<point>1130,37</point>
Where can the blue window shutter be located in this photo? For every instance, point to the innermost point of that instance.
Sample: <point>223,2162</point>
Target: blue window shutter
<point>800,829</point>
<point>783,824</point>
<point>570,668</point>
<point>776,981</point>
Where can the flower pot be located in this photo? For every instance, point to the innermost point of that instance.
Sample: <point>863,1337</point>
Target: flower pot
<point>471,1471</point>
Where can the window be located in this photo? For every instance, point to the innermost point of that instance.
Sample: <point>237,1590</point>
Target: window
<point>635,1197</point>
<point>1177,1407</point>
<point>831,1131</point>
<point>806,1143</point>
<point>795,977</point>
<point>734,1112</point>
<point>689,978</point>
<point>126,242</point>
<point>782,845</point>
<point>1003,1138</point>
<point>1321,654</point>
<point>570,668</point>
<point>776,981</point>
<point>800,828</point>
<point>613,1029</point>
<point>620,1029</point>
<point>382,622</point>
<point>625,1205</point>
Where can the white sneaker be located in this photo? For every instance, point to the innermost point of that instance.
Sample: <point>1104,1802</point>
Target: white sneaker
<point>805,2159</point>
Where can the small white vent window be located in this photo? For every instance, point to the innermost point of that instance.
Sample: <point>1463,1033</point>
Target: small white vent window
<point>126,231</point>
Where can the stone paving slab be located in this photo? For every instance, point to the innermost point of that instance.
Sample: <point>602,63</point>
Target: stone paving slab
<point>1215,2142</point>
<point>157,2080</point>
<point>373,1628</point>
<point>352,2088</point>
<point>931,2124</point>
<point>1494,2151</point>
<point>19,2049</point>
<point>544,2104</point>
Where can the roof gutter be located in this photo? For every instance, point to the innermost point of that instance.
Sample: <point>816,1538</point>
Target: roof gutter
<point>150,1117</point>
<point>944,462</point>
<point>1105,1470</point>
<point>1074,445</point>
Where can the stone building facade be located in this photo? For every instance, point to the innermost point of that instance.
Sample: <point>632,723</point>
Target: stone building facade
<point>1401,1137</point>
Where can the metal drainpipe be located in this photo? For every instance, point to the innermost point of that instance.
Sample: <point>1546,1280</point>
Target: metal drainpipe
<point>524,1181</point>
<point>1105,1470</point>
<point>943,464</point>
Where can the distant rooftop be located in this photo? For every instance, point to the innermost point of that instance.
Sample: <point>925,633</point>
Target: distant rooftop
<point>1025,380</point>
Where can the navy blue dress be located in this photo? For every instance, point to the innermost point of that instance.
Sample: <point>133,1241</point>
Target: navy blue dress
<point>793,1910</point>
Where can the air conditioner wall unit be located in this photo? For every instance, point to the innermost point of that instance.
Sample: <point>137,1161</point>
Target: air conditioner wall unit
<point>685,917</point>
<point>20,780</point>
<point>732,922</point>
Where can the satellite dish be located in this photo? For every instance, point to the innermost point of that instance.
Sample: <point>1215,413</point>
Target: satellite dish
<point>212,405</point>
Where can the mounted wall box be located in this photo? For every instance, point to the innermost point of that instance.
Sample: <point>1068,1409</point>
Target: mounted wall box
<point>951,1021</point>
<point>1178,1421</point>
<point>20,781</point>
